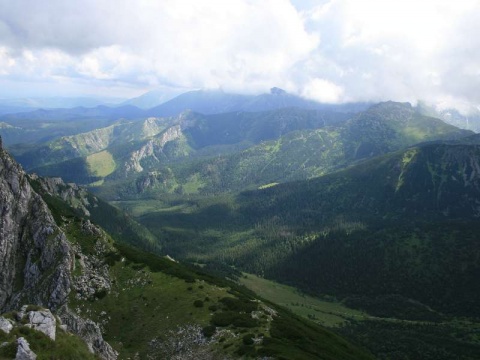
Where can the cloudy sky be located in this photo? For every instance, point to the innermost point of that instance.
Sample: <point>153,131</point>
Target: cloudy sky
<point>331,51</point>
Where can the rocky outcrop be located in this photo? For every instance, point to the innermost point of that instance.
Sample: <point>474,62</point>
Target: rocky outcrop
<point>43,321</point>
<point>38,261</point>
<point>89,331</point>
<point>94,280</point>
<point>5,325</point>
<point>23,350</point>
<point>152,149</point>
<point>74,195</point>
<point>36,256</point>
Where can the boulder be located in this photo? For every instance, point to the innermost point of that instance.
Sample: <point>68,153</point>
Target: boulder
<point>43,321</point>
<point>5,325</point>
<point>23,350</point>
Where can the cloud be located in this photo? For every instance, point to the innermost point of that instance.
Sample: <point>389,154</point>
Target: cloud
<point>183,42</point>
<point>410,50</point>
<point>322,91</point>
<point>332,51</point>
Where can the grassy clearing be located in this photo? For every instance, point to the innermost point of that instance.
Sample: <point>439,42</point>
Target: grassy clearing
<point>101,163</point>
<point>326,313</point>
<point>193,185</point>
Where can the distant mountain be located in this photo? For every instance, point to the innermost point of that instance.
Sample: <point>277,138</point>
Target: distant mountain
<point>202,101</point>
<point>10,106</point>
<point>28,126</point>
<point>43,125</point>
<point>76,113</point>
<point>467,119</point>
<point>217,101</point>
<point>151,99</point>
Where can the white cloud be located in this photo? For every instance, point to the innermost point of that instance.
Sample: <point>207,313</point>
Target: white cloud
<point>323,91</point>
<point>333,51</point>
<point>422,49</point>
<point>237,44</point>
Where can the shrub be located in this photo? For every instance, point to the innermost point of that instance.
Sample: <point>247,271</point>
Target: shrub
<point>245,321</point>
<point>248,339</point>
<point>198,303</point>
<point>224,318</point>
<point>209,330</point>
<point>239,305</point>
<point>245,350</point>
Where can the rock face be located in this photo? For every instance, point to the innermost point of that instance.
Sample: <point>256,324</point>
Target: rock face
<point>23,350</point>
<point>89,331</point>
<point>38,262</point>
<point>152,149</point>
<point>36,257</point>
<point>43,321</point>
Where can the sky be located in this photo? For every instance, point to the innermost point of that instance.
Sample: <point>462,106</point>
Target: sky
<point>331,51</point>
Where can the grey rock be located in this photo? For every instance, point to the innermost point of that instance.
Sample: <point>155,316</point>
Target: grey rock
<point>38,260</point>
<point>43,321</point>
<point>5,325</point>
<point>23,350</point>
<point>29,240</point>
<point>89,331</point>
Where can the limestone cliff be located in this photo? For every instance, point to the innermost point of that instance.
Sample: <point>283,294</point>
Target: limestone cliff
<point>37,258</point>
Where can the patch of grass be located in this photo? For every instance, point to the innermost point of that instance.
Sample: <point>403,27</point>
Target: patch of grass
<point>327,313</point>
<point>101,164</point>
<point>148,301</point>
<point>66,346</point>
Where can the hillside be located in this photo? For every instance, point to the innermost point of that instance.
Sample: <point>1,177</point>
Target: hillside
<point>140,147</point>
<point>414,210</point>
<point>123,302</point>
<point>394,236</point>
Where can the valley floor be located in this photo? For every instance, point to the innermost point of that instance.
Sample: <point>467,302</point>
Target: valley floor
<point>386,338</point>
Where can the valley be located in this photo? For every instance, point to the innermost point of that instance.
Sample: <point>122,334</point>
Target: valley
<point>359,219</point>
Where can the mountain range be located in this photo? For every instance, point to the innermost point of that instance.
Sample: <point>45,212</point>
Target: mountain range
<point>371,208</point>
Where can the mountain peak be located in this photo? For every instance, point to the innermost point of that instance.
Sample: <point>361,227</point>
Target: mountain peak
<point>277,91</point>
